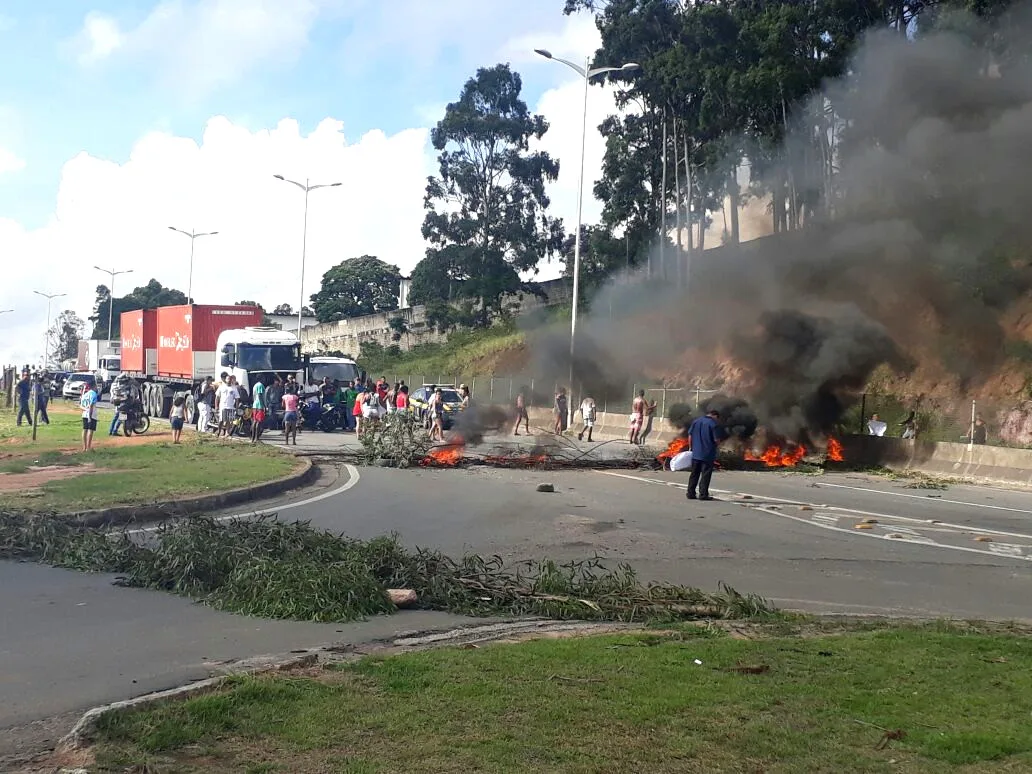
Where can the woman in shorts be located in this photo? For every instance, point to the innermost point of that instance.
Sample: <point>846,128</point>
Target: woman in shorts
<point>290,415</point>
<point>177,417</point>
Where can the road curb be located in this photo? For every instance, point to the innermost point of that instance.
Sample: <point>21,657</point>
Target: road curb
<point>81,734</point>
<point>130,514</point>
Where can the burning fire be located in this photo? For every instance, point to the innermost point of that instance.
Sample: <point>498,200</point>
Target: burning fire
<point>447,456</point>
<point>835,451</point>
<point>776,456</point>
<point>676,446</point>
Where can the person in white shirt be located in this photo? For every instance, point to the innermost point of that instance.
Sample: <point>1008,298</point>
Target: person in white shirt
<point>587,410</point>
<point>88,404</point>
<point>225,404</point>
<point>876,426</point>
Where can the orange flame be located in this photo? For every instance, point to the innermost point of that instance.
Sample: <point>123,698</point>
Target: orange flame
<point>446,456</point>
<point>835,451</point>
<point>676,446</point>
<point>774,456</point>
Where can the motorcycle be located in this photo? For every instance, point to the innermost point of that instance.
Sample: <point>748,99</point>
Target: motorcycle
<point>133,419</point>
<point>328,417</point>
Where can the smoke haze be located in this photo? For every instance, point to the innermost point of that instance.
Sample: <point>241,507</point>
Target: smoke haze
<point>924,251</point>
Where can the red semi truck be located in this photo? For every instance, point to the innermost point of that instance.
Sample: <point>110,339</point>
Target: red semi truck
<point>172,349</point>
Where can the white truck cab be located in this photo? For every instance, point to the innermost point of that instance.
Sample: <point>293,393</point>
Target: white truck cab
<point>339,368</point>
<point>247,352</point>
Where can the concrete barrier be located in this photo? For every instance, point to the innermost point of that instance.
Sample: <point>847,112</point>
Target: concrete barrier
<point>609,426</point>
<point>983,463</point>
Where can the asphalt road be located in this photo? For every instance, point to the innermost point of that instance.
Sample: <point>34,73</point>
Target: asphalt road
<point>69,641</point>
<point>780,544</point>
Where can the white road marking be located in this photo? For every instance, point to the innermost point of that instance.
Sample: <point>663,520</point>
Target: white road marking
<point>352,480</point>
<point>909,536</point>
<point>925,498</point>
<point>758,500</point>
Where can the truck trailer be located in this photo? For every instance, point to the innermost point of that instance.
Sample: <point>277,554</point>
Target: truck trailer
<point>171,350</point>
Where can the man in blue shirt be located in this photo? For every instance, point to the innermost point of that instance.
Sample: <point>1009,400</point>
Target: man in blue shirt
<point>706,434</point>
<point>23,389</point>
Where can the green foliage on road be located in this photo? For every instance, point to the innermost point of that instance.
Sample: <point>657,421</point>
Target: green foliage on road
<point>276,569</point>
<point>618,703</point>
<point>120,470</point>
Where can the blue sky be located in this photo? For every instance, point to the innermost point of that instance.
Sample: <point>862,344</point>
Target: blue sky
<point>119,116</point>
<point>346,58</point>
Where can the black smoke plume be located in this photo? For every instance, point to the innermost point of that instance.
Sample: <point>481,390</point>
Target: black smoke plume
<point>918,246</point>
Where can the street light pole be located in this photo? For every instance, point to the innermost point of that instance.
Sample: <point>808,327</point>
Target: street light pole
<point>587,73</point>
<point>307,187</point>
<point>111,297</point>
<point>46,336</point>
<point>193,234</point>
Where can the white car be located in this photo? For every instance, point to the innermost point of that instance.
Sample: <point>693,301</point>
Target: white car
<point>73,384</point>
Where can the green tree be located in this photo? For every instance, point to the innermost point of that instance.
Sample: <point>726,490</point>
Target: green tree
<point>486,215</point>
<point>283,309</point>
<point>149,296</point>
<point>356,287</point>
<point>63,336</point>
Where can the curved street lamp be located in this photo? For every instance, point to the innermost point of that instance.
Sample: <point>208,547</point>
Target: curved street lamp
<point>587,73</point>
<point>193,238</point>
<point>307,187</point>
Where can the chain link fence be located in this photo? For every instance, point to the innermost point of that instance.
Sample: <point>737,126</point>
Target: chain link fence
<point>979,421</point>
<point>540,391</point>
<point>994,423</point>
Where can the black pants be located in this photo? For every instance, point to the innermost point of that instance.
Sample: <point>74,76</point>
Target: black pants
<point>23,411</point>
<point>702,472</point>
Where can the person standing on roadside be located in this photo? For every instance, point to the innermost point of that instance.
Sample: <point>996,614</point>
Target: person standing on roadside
<point>638,408</point>
<point>705,435</point>
<point>559,411</point>
<point>177,418</point>
<point>257,409</point>
<point>205,404</point>
<point>587,409</point>
<point>24,390</point>
<point>521,412</point>
<point>88,404</point>
<point>356,408</point>
<point>290,416</point>
<point>41,392</point>
<point>350,393</point>
<point>226,398</point>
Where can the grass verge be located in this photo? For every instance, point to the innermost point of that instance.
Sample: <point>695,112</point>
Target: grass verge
<point>119,470</point>
<point>950,700</point>
<point>274,569</point>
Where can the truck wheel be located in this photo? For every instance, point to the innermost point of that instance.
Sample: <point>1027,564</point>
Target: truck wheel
<point>148,390</point>
<point>165,406</point>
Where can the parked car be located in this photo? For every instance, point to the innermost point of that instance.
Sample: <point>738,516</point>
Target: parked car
<point>419,398</point>
<point>73,384</point>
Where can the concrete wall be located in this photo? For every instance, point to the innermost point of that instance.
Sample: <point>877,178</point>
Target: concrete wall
<point>348,335</point>
<point>981,463</point>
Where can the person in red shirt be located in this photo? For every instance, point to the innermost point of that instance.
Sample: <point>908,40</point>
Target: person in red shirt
<point>356,410</point>
<point>402,400</point>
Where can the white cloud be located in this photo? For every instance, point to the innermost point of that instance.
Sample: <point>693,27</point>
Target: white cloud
<point>10,162</point>
<point>100,37</point>
<point>196,46</point>
<point>117,214</point>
